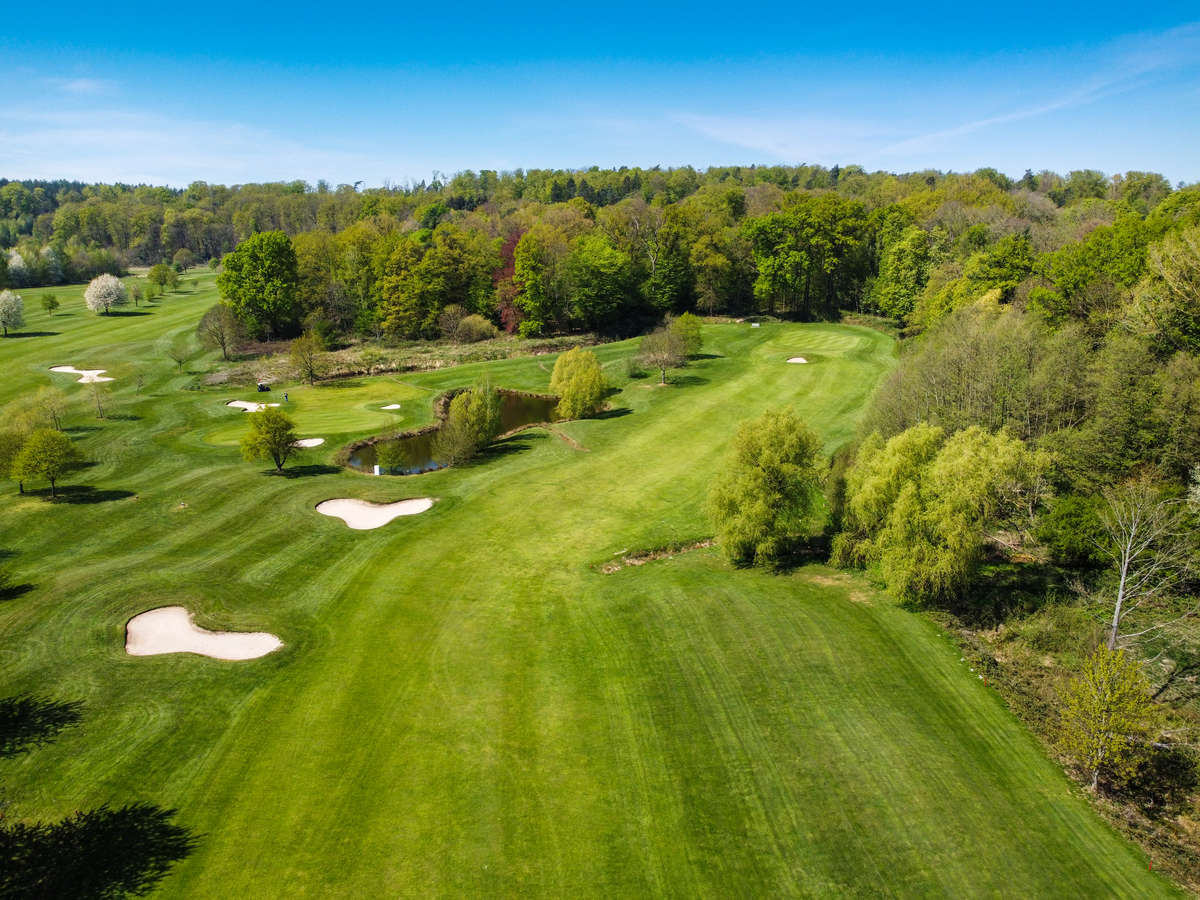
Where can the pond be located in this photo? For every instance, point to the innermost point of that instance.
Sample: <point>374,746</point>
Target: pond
<point>414,453</point>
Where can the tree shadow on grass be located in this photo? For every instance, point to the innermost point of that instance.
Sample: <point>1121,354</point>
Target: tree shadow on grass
<point>27,722</point>
<point>81,494</point>
<point>123,417</point>
<point>99,853</point>
<point>687,380</point>
<point>13,591</point>
<point>340,383</point>
<point>29,334</point>
<point>304,471</point>
<point>81,429</point>
<point>706,356</point>
<point>518,443</point>
<point>124,313</point>
<point>617,413</point>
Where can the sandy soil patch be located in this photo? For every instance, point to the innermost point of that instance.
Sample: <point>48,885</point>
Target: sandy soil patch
<point>391,406</point>
<point>362,516</point>
<point>248,406</point>
<point>87,376</point>
<point>797,359</point>
<point>310,442</point>
<point>169,629</point>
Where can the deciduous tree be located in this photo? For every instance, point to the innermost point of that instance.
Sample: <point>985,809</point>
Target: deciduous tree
<point>47,455</point>
<point>662,349</point>
<point>769,495</point>
<point>220,328</point>
<point>259,278</point>
<point>104,292</point>
<point>1107,718</point>
<point>12,311</point>
<point>272,437</point>
<point>305,354</point>
<point>579,383</point>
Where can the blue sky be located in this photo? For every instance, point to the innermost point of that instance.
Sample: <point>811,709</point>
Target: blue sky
<point>216,92</point>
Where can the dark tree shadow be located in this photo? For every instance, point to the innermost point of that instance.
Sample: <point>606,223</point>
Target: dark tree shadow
<point>81,494</point>
<point>27,722</point>
<point>304,471</point>
<point>518,443</point>
<point>686,380</point>
<point>613,413</point>
<point>123,417</point>
<point>29,334</point>
<point>124,313</point>
<point>100,853</point>
<point>13,591</point>
<point>706,356</point>
<point>82,429</point>
<point>1164,784</point>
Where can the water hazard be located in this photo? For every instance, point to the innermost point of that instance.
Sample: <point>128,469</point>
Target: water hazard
<point>415,453</point>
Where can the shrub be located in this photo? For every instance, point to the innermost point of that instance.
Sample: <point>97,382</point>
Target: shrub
<point>473,329</point>
<point>579,384</point>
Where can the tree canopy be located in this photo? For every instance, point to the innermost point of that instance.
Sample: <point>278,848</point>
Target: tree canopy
<point>259,279</point>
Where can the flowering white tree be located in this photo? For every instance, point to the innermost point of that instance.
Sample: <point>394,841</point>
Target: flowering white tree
<point>18,270</point>
<point>104,292</point>
<point>12,311</point>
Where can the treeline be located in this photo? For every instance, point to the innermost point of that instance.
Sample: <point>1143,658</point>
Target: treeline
<point>912,246</point>
<point>608,250</point>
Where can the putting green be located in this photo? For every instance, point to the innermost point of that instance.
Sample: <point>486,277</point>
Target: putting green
<point>463,703</point>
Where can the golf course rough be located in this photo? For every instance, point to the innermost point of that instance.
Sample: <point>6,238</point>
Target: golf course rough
<point>467,705</point>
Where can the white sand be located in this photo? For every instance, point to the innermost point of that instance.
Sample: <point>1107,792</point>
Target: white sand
<point>248,406</point>
<point>797,359</point>
<point>391,406</point>
<point>361,515</point>
<point>169,629</point>
<point>89,376</point>
<point>310,442</point>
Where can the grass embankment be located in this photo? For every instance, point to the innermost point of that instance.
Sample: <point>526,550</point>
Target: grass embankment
<point>466,703</point>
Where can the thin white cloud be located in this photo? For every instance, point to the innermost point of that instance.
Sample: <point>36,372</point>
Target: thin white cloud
<point>790,139</point>
<point>134,147</point>
<point>88,87</point>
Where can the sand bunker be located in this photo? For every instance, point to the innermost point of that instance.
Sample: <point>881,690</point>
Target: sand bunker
<point>248,406</point>
<point>169,629</point>
<point>391,406</point>
<point>797,359</point>
<point>88,376</point>
<point>310,442</point>
<point>361,515</point>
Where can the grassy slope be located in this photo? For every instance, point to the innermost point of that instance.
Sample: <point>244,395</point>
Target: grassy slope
<point>464,703</point>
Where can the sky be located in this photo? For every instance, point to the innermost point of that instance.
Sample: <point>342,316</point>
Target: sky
<point>391,94</point>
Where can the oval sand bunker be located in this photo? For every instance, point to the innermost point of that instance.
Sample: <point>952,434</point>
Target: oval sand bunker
<point>310,442</point>
<point>249,406</point>
<point>87,376</point>
<point>169,629</point>
<point>391,406</point>
<point>797,359</point>
<point>361,515</point>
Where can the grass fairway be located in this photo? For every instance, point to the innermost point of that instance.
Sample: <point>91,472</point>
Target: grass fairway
<point>464,704</point>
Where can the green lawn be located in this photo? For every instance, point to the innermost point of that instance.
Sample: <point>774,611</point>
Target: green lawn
<point>465,705</point>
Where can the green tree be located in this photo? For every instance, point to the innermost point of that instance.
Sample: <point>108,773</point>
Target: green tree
<point>921,506</point>
<point>184,259</point>
<point>578,381</point>
<point>260,279</point>
<point>601,280</point>
<point>472,422</point>
<point>305,354</point>
<point>163,277</point>
<point>220,328</point>
<point>768,497</point>
<point>539,274</point>
<point>272,437</point>
<point>12,440</point>
<point>662,349</point>
<point>49,303</point>
<point>1107,718</point>
<point>47,455</point>
<point>688,328</point>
